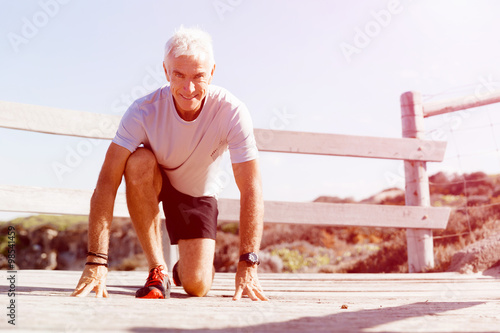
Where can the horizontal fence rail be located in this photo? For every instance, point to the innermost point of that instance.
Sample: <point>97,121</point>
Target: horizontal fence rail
<point>77,202</point>
<point>349,145</point>
<point>461,103</point>
<point>103,126</point>
<point>58,121</point>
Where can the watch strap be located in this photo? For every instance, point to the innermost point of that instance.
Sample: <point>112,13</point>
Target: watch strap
<point>251,258</point>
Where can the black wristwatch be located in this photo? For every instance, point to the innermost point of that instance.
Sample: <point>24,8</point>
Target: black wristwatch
<point>251,258</point>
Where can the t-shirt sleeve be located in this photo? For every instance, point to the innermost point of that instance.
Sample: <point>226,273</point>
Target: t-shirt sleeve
<point>131,133</point>
<point>241,139</point>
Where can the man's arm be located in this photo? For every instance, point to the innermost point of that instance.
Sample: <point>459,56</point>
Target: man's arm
<point>247,176</point>
<point>101,216</point>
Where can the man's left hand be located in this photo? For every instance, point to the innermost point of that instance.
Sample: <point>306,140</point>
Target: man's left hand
<point>247,283</point>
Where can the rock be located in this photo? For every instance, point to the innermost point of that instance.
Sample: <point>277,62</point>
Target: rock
<point>39,253</point>
<point>477,257</point>
<point>45,247</point>
<point>493,271</point>
<point>226,252</point>
<point>71,247</point>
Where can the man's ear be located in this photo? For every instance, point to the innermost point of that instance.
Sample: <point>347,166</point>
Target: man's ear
<point>211,75</point>
<point>166,72</point>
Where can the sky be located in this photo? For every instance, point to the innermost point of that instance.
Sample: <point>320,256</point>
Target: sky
<point>315,66</point>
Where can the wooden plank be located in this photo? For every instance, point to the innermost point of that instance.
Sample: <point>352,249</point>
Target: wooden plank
<point>320,213</point>
<point>58,121</point>
<point>103,126</point>
<point>397,305</point>
<point>419,242</point>
<point>349,145</point>
<point>29,199</point>
<point>460,103</point>
<point>67,202</point>
<point>77,202</point>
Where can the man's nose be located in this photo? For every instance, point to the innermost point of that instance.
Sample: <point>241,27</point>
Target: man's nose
<point>189,86</point>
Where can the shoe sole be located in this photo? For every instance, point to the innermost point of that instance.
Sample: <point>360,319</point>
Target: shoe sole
<point>153,294</point>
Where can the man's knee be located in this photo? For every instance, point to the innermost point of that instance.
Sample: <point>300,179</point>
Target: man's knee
<point>197,283</point>
<point>141,166</point>
<point>196,270</point>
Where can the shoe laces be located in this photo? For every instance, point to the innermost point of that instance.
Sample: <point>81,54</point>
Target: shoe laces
<point>156,276</point>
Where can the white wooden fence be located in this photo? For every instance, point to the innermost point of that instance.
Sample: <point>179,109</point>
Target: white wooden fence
<point>413,112</point>
<point>416,216</point>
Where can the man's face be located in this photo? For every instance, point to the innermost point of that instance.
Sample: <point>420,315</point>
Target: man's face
<point>189,78</point>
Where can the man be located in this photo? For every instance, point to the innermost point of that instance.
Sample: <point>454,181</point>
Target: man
<point>183,128</point>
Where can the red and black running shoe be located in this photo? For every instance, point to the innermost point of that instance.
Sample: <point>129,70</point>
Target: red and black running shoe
<point>157,285</point>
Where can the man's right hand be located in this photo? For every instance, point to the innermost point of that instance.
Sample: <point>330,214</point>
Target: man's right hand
<point>93,279</point>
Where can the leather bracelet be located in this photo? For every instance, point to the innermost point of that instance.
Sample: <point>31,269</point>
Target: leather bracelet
<point>96,264</point>
<point>98,255</point>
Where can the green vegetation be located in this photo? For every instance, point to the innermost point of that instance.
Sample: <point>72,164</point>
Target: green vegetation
<point>4,242</point>
<point>59,222</point>
<point>231,227</point>
<point>294,261</point>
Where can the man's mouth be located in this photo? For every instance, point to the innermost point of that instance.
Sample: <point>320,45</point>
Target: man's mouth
<point>188,98</point>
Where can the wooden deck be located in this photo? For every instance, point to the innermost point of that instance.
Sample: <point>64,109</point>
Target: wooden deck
<point>437,302</point>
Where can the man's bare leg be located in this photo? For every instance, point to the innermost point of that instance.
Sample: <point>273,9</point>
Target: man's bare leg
<point>143,180</point>
<point>196,270</point>
<point>196,256</point>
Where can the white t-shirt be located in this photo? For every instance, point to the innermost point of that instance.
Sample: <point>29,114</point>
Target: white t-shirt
<point>190,151</point>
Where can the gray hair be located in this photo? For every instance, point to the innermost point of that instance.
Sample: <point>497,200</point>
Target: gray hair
<point>190,42</point>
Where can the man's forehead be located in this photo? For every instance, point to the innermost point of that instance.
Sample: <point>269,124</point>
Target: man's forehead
<point>189,63</point>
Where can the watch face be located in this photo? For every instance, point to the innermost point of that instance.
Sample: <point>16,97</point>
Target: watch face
<point>251,258</point>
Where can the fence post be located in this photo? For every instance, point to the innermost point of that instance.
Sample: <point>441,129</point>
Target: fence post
<point>170,252</point>
<point>419,241</point>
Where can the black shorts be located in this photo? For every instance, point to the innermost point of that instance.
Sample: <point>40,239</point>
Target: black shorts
<point>188,217</point>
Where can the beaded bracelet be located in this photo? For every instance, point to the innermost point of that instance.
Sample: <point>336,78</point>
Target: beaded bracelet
<point>96,264</point>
